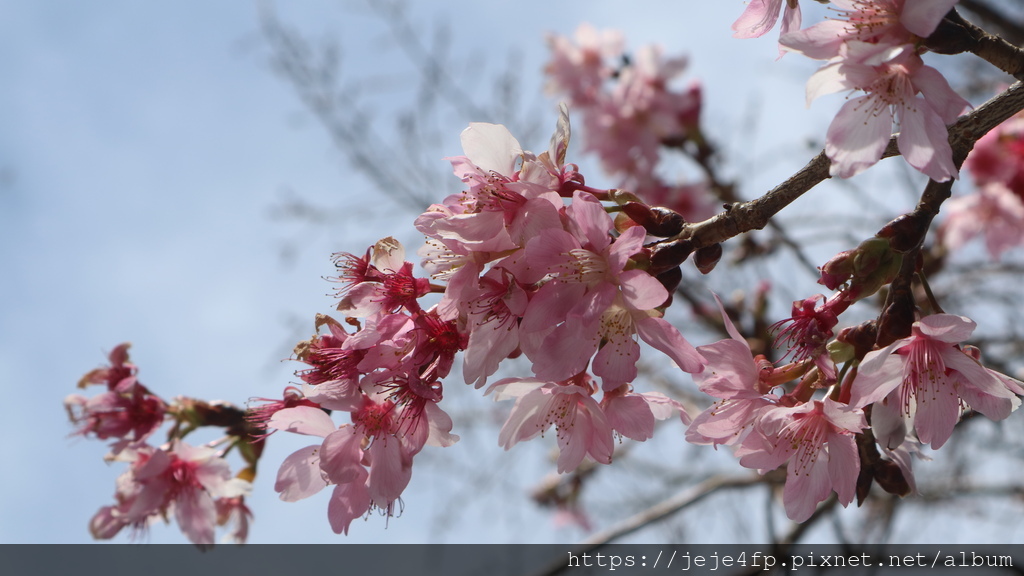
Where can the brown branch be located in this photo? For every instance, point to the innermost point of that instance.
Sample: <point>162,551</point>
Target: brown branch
<point>955,35</point>
<point>990,16</point>
<point>754,215</point>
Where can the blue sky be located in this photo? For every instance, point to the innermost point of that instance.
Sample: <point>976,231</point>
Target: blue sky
<point>142,149</point>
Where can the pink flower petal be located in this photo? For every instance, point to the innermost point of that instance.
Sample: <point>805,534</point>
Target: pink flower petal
<point>300,475</point>
<point>348,502</point>
<point>303,420</point>
<point>857,136</point>
<point>665,337</point>
<point>922,16</point>
<point>491,147</point>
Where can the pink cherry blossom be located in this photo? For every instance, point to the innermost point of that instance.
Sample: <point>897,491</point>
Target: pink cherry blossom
<point>119,370</point>
<point>581,426</point>
<point>182,479</point>
<point>260,415</point>
<point>631,110</point>
<point>495,307</point>
<point>808,331</point>
<point>234,512</point>
<point>760,16</point>
<point>883,22</point>
<point>892,77</point>
<point>383,284</point>
<point>369,462</point>
<point>738,379</point>
<point>309,470</point>
<point>593,299</point>
<point>127,411</point>
<point>130,415</point>
<point>996,156</point>
<point>578,67</point>
<point>993,211</point>
<point>925,379</point>
<point>817,439</point>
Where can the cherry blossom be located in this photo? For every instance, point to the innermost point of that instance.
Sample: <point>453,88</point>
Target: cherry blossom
<point>996,156</point>
<point>581,426</point>
<point>760,16</point>
<point>739,380</point>
<point>926,379</point>
<point>633,414</point>
<point>817,439</point>
<point>384,283</point>
<point>994,212</point>
<point>631,111</point>
<point>594,299</point>
<point>892,77</point>
<point>181,478</point>
<point>873,48</point>
<point>578,67</point>
<point>883,22</point>
<point>127,411</point>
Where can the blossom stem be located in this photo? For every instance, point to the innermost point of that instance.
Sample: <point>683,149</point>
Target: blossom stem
<point>937,309</point>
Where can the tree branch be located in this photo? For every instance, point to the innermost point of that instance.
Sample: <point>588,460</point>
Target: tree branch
<point>754,215</point>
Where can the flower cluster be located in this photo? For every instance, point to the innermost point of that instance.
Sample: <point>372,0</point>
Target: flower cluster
<point>630,112</point>
<point>530,262</point>
<point>386,375</point>
<point>192,483</point>
<point>533,265</point>
<point>917,388</point>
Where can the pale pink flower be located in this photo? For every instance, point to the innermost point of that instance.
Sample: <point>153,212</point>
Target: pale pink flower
<point>993,211</point>
<point>578,68</point>
<point>817,438</point>
<point>760,16</point>
<point>581,427</point>
<point>130,414</point>
<point>884,22</point>
<point>892,76</point>
<point>495,307</point>
<point>629,108</point>
<point>182,479</point>
<point>593,299</point>
<point>309,470</point>
<point>926,378</point>
<point>258,416</point>
<point>369,461</point>
<point>735,377</point>
<point>996,156</point>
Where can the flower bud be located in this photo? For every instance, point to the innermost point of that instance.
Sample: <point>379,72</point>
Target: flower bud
<point>838,270</point>
<point>904,232</point>
<point>707,258</point>
<point>671,278</point>
<point>656,220</point>
<point>668,255</point>
<point>860,338</point>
